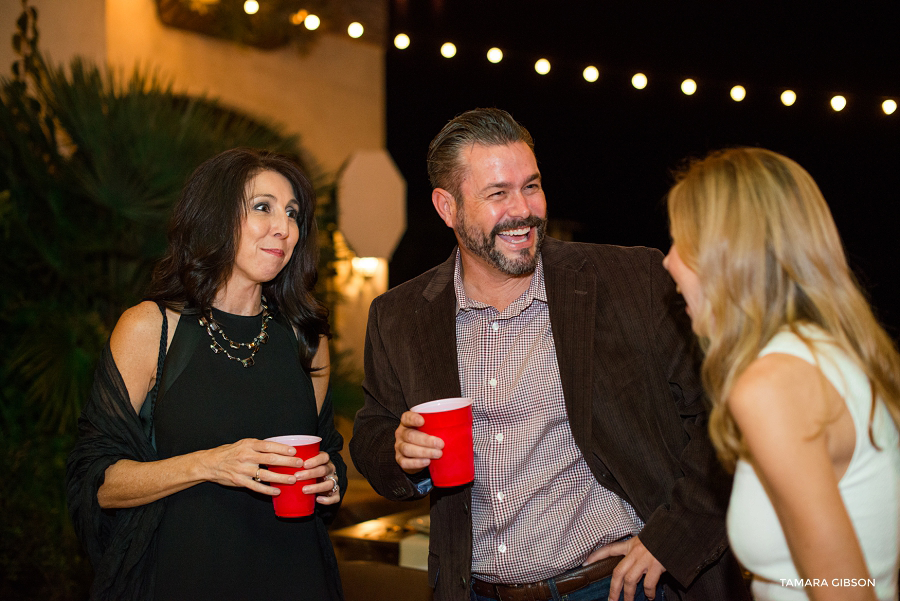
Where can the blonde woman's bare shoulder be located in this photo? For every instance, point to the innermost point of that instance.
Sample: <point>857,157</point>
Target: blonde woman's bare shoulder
<point>779,392</point>
<point>135,348</point>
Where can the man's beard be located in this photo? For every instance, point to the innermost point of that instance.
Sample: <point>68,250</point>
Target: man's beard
<point>484,246</point>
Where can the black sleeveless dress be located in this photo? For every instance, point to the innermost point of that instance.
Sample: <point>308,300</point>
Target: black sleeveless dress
<point>219,542</point>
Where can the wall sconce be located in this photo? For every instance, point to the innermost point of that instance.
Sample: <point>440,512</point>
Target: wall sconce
<point>365,266</point>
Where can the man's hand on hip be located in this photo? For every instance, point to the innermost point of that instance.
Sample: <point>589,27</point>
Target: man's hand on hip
<point>638,563</point>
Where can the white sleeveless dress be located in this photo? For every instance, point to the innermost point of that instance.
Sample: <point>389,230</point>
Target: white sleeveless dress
<point>870,488</point>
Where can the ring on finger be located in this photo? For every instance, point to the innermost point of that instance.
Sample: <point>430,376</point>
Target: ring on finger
<point>256,477</point>
<point>334,479</point>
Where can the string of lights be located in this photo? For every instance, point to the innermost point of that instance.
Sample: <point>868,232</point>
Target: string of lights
<point>590,73</point>
<point>640,81</point>
<point>309,20</point>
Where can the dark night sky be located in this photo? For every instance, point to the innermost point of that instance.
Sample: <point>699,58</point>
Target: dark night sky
<point>606,150</point>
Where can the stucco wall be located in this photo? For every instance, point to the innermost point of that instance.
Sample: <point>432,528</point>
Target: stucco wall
<point>66,27</point>
<point>333,96</point>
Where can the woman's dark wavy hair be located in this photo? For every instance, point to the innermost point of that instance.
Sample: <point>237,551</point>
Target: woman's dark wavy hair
<point>204,234</point>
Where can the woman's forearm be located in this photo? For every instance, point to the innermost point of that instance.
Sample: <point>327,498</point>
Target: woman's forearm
<point>132,483</point>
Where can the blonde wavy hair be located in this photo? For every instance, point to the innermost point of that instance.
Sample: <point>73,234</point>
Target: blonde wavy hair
<point>754,227</point>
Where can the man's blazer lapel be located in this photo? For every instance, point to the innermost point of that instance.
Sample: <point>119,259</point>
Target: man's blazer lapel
<point>435,325</point>
<point>571,296</point>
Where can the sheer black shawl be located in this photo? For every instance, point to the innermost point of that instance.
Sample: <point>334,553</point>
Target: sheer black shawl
<point>120,542</point>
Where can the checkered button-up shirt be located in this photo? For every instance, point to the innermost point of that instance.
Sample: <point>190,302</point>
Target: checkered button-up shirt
<point>537,510</point>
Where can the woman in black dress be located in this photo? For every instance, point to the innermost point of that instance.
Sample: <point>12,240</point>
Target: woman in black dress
<point>168,486</point>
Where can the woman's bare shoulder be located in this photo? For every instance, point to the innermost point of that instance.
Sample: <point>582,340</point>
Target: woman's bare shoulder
<point>136,327</point>
<point>779,391</point>
<point>135,348</point>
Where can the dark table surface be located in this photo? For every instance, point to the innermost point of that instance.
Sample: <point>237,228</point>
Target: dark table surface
<point>377,539</point>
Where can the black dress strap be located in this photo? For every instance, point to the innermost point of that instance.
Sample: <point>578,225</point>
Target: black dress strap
<point>146,414</point>
<point>184,343</point>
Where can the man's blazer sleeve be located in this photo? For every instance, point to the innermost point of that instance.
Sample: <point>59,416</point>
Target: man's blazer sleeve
<point>372,444</point>
<point>687,534</point>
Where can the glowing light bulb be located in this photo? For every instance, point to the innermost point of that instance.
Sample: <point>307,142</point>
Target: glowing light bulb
<point>639,81</point>
<point>401,41</point>
<point>591,74</point>
<point>788,97</point>
<point>251,7</point>
<point>688,86</point>
<point>738,93</point>
<point>365,266</point>
<point>297,17</point>
<point>448,50</point>
<point>542,66</point>
<point>495,55</point>
<point>312,22</point>
<point>889,106</point>
<point>355,30</point>
<point>838,103</point>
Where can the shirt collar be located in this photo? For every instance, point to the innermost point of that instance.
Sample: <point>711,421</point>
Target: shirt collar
<point>536,290</point>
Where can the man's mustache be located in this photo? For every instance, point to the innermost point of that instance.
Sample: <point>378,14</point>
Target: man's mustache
<point>514,224</point>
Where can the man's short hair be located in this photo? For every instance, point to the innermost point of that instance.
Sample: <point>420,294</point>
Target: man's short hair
<point>488,127</point>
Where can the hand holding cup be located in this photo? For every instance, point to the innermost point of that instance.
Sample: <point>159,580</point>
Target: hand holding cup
<point>319,468</point>
<point>293,502</point>
<point>413,449</point>
<point>450,421</point>
<point>242,462</point>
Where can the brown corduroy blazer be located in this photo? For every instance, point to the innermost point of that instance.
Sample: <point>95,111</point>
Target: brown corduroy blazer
<point>629,372</point>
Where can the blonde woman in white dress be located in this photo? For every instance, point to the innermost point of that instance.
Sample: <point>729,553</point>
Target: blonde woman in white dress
<point>805,384</point>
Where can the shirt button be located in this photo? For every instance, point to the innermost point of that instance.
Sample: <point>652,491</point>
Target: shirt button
<point>500,496</point>
<point>498,436</point>
<point>502,548</point>
<point>492,382</point>
<point>495,326</point>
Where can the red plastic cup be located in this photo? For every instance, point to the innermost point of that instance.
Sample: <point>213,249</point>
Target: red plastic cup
<point>451,421</point>
<point>293,502</point>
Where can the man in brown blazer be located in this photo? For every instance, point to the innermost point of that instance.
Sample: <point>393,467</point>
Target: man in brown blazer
<point>594,476</point>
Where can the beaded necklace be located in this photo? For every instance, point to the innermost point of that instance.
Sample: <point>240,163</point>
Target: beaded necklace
<point>211,325</point>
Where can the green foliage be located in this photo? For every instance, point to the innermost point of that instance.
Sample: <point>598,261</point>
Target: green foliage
<point>39,554</point>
